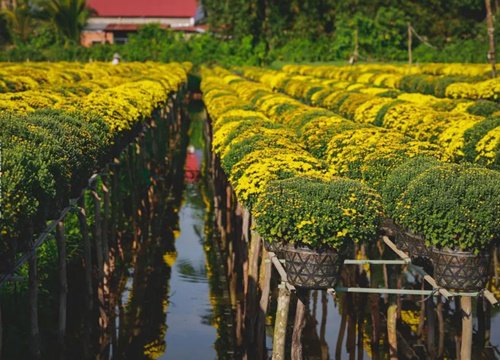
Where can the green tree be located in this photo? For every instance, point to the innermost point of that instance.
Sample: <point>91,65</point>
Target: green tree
<point>20,21</point>
<point>69,17</point>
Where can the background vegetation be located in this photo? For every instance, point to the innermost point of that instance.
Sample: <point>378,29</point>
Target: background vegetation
<point>255,32</point>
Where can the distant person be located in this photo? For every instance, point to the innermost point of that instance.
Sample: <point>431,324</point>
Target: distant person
<point>116,59</point>
<point>192,166</point>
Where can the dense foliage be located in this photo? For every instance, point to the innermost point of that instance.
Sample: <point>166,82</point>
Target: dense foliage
<point>62,122</point>
<point>306,212</point>
<point>453,206</point>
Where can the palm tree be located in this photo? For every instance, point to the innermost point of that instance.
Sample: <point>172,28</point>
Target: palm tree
<point>20,20</point>
<point>69,17</point>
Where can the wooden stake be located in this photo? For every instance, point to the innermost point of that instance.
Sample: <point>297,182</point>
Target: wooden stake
<point>440,318</point>
<point>63,287</point>
<point>466,349</point>
<point>391,331</point>
<point>253,278</point>
<point>87,252</point>
<point>491,38</point>
<point>264,302</point>
<point>33,305</point>
<point>279,338</point>
<point>300,316</point>
<point>1,329</point>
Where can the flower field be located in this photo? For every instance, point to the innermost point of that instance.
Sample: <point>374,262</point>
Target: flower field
<point>61,122</point>
<point>361,150</point>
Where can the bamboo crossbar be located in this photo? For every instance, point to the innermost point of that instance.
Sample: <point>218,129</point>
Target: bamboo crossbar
<point>374,262</point>
<point>399,291</point>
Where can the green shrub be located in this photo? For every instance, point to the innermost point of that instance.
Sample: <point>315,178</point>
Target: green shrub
<point>307,212</point>
<point>483,108</point>
<point>398,179</point>
<point>453,207</point>
<point>473,135</point>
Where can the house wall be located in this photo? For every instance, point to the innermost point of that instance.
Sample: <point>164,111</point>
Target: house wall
<point>88,38</point>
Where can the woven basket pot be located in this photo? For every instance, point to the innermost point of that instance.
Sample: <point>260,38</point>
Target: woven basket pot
<point>460,270</point>
<point>312,269</point>
<point>411,243</point>
<point>275,247</point>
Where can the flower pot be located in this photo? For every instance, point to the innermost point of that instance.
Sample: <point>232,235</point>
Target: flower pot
<point>460,270</point>
<point>312,269</point>
<point>411,243</point>
<point>275,247</point>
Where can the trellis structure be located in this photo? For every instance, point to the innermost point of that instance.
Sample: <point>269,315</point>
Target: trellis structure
<point>285,288</point>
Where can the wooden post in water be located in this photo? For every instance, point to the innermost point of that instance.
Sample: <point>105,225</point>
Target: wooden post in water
<point>87,252</point>
<point>440,318</point>
<point>253,278</point>
<point>1,328</point>
<point>392,331</point>
<point>466,349</point>
<point>63,287</point>
<point>280,323</point>
<point>87,266</point>
<point>431,326</point>
<point>298,326</point>
<point>263,304</point>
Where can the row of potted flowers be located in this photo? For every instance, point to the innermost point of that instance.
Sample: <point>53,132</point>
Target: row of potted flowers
<point>307,217</point>
<point>466,131</point>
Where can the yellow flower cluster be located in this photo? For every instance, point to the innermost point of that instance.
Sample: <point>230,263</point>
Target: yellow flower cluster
<point>488,89</point>
<point>121,95</point>
<point>278,155</point>
<point>392,76</point>
<point>416,115</point>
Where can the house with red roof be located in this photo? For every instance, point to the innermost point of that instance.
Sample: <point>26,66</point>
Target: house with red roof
<point>113,20</point>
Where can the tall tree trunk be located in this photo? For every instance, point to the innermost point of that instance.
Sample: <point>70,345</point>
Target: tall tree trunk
<point>63,287</point>
<point>491,38</point>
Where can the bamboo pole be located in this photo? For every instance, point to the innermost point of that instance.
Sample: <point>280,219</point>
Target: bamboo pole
<point>466,349</point>
<point>63,287</point>
<point>298,327</point>
<point>281,321</point>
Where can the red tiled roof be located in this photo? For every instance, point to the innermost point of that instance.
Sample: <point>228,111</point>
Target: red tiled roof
<point>144,8</point>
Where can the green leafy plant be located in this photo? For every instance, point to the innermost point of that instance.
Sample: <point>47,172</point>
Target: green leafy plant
<point>453,207</point>
<point>309,212</point>
<point>398,179</point>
